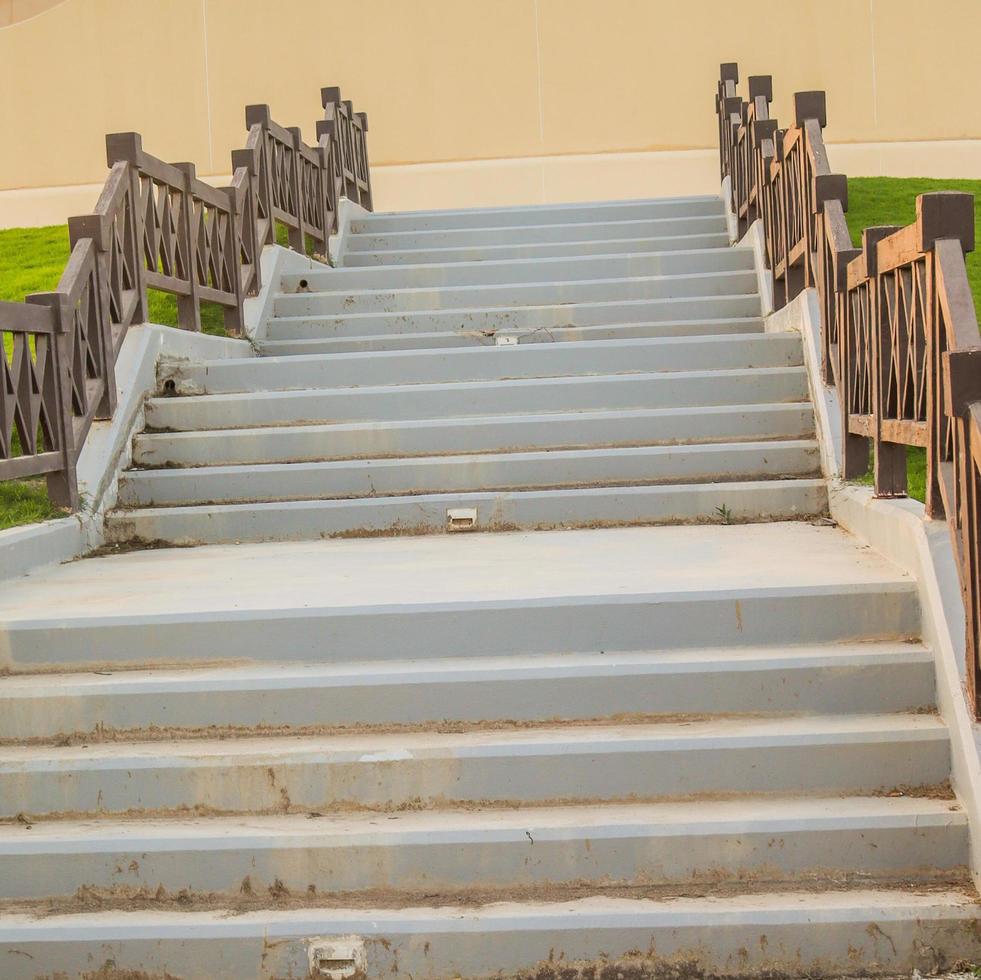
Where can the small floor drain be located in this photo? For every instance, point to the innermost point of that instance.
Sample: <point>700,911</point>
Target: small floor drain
<point>340,958</point>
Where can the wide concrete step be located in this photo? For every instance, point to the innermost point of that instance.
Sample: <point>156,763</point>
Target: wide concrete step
<point>544,250</point>
<point>415,340</point>
<point>806,935</point>
<point>664,391</point>
<point>569,231</point>
<point>423,437</point>
<point>397,599</point>
<point>539,214</point>
<point>833,679</point>
<point>523,318</point>
<point>738,351</point>
<point>514,295</point>
<point>483,510</point>
<point>855,754</point>
<point>649,847</point>
<point>452,473</point>
<point>487,272</point>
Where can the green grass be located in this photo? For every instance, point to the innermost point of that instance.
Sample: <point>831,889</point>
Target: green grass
<point>25,502</point>
<point>892,201</point>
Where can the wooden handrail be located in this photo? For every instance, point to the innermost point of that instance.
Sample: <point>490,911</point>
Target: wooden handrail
<point>157,225</point>
<point>899,334</point>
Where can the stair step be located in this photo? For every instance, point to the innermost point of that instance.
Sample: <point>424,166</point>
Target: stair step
<point>569,231</point>
<point>531,250</point>
<point>522,318</point>
<point>663,390</point>
<point>661,846</point>
<point>842,678</point>
<point>509,296</point>
<point>478,338</point>
<point>481,472</point>
<point>578,213</point>
<point>397,599</point>
<point>805,935</point>
<point>557,269</point>
<point>738,351</point>
<point>855,754</point>
<point>612,506</point>
<point>421,437</point>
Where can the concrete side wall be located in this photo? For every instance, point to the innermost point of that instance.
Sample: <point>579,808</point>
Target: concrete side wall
<point>526,100</point>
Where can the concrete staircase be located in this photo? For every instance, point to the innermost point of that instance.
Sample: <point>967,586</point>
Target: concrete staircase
<point>618,375</point>
<point>709,746</point>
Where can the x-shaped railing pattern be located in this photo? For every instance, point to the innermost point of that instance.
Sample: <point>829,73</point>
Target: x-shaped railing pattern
<point>900,337</point>
<point>158,226</point>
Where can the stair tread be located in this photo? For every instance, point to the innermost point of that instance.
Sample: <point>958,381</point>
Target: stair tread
<point>637,376</point>
<point>150,437</point>
<point>754,814</point>
<point>461,268</point>
<point>486,458</point>
<point>881,906</point>
<point>270,677</point>
<point>566,307</point>
<point>720,734</point>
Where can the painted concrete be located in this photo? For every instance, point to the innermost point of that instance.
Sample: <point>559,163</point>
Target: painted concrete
<point>481,434</point>
<point>662,390</point>
<point>660,844</point>
<point>831,679</point>
<point>805,935</point>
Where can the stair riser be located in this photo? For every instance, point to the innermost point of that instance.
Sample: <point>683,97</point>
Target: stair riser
<point>528,234</point>
<point>523,692</point>
<point>681,207</point>
<point>487,364</point>
<point>580,768</point>
<point>679,262</point>
<point>531,856</point>
<point>584,394</point>
<point>582,624</point>
<point>798,942</point>
<point>547,250</point>
<point>277,444</point>
<point>453,474</point>
<point>496,511</point>
<point>443,338</point>
<point>464,298</point>
<point>522,319</point>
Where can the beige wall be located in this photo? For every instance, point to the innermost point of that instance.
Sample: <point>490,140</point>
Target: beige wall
<point>468,80</point>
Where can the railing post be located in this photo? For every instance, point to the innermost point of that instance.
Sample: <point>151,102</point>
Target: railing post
<point>943,216</point>
<point>728,72</point>
<point>232,246</point>
<point>95,227</point>
<point>890,457</point>
<point>188,305</point>
<point>259,115</point>
<point>297,235</point>
<point>248,160</point>
<point>128,147</point>
<point>62,484</point>
<point>363,163</point>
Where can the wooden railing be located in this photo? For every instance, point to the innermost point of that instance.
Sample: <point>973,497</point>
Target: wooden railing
<point>899,333</point>
<point>158,226</point>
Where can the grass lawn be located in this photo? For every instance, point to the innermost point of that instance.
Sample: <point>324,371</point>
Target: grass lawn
<point>892,201</point>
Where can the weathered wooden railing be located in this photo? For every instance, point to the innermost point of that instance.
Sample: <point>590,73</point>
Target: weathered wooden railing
<point>900,338</point>
<point>158,226</point>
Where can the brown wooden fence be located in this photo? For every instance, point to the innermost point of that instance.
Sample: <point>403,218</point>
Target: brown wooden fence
<point>900,338</point>
<point>156,225</point>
